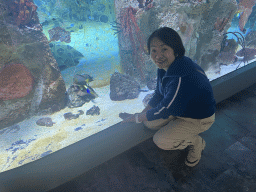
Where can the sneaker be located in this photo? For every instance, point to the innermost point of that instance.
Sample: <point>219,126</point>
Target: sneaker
<point>194,153</point>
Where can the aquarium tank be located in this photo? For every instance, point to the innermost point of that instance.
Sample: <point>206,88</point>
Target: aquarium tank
<point>68,68</point>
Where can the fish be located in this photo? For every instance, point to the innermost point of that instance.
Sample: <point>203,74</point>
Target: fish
<point>238,13</point>
<point>88,90</point>
<point>82,79</point>
<point>58,33</point>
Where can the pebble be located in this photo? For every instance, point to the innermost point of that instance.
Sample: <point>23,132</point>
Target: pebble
<point>45,121</point>
<point>69,116</point>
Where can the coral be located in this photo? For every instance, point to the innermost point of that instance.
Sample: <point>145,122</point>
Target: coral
<point>247,53</point>
<point>244,18</point>
<point>131,30</point>
<point>245,6</point>
<point>16,81</point>
<point>23,11</point>
<point>221,23</point>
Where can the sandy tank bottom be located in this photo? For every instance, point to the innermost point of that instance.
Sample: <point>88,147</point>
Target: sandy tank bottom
<point>26,141</point>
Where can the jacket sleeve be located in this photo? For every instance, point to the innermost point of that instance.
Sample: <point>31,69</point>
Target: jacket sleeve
<point>169,105</point>
<point>157,97</point>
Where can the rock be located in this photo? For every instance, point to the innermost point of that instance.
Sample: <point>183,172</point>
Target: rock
<point>147,99</point>
<point>45,121</point>
<point>30,48</point>
<point>95,110</point>
<point>151,84</point>
<point>226,58</point>
<point>76,97</point>
<point>65,55</point>
<point>16,81</point>
<point>123,87</point>
<point>81,112</point>
<point>69,116</point>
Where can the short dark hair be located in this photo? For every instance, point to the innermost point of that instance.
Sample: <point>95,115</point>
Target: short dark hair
<point>171,38</point>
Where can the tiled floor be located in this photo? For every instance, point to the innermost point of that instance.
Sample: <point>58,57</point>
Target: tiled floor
<point>228,163</point>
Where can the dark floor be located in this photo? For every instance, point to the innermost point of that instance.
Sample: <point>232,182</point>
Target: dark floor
<point>228,163</point>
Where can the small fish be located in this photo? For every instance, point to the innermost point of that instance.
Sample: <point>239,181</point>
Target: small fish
<point>82,79</point>
<point>238,13</point>
<point>90,90</point>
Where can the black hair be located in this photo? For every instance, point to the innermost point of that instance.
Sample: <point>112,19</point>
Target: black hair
<point>171,38</point>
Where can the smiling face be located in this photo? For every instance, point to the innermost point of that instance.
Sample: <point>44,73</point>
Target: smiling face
<point>161,54</point>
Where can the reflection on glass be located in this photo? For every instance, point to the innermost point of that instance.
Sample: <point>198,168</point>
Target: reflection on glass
<point>68,68</point>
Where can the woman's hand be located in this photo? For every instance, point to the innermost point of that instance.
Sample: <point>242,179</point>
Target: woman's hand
<point>127,117</point>
<point>131,117</point>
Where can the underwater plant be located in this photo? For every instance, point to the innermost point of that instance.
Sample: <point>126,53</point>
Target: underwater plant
<point>116,27</point>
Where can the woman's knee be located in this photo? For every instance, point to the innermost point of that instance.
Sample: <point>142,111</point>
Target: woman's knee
<point>151,126</point>
<point>170,143</point>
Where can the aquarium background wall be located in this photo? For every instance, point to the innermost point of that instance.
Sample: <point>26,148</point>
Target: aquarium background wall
<point>68,68</point>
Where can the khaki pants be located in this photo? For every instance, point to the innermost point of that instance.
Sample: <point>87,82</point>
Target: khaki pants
<point>178,132</point>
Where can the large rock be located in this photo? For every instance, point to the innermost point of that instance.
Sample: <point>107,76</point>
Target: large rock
<point>123,87</point>
<point>78,97</point>
<point>26,45</point>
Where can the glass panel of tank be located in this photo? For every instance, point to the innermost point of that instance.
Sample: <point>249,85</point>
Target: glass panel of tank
<point>68,68</point>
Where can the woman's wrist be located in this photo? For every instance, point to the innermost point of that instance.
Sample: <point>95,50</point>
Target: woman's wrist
<point>140,117</point>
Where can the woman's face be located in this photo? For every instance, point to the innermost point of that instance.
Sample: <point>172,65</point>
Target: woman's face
<point>161,54</point>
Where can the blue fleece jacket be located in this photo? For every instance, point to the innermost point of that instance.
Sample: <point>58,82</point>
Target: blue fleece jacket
<point>183,90</point>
